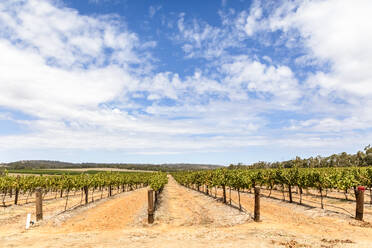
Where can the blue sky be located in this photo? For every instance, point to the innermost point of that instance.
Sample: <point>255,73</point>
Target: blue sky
<point>184,81</point>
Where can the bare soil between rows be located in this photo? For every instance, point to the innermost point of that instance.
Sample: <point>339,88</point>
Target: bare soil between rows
<point>184,218</point>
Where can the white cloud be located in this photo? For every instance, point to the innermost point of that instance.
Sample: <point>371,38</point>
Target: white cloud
<point>39,83</point>
<point>153,10</point>
<point>201,40</point>
<point>64,37</point>
<point>336,36</point>
<point>71,102</point>
<point>338,32</point>
<point>54,66</point>
<point>252,21</point>
<point>5,116</point>
<point>331,125</point>
<point>258,78</point>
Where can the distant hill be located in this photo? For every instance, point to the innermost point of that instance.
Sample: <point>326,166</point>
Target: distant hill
<point>46,164</point>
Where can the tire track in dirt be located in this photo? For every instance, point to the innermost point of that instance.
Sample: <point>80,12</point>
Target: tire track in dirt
<point>179,206</point>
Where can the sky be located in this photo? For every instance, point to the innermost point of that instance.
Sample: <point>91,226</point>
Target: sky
<point>219,82</point>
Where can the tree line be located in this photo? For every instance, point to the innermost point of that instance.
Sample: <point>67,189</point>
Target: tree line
<point>360,159</point>
<point>48,164</point>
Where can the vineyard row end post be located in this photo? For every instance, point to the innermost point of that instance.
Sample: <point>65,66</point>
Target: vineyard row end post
<point>257,204</point>
<point>359,203</point>
<point>39,204</point>
<point>17,191</point>
<point>151,208</point>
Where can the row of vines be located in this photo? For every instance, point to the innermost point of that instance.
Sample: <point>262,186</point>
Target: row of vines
<point>321,179</point>
<point>27,185</point>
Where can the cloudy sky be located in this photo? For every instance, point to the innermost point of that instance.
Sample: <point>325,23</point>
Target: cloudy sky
<point>194,81</point>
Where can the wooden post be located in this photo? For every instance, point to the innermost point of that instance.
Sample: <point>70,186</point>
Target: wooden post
<point>224,193</point>
<point>39,204</point>
<point>359,203</point>
<point>150,209</point>
<point>16,191</point>
<point>256,204</point>
<point>156,198</point>
<point>240,205</point>
<point>230,194</point>
<point>86,192</point>
<point>16,196</point>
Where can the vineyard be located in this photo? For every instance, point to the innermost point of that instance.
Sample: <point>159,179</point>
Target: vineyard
<point>144,203</point>
<point>320,179</point>
<point>23,187</point>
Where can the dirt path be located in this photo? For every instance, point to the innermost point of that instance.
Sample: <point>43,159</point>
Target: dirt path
<point>180,206</point>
